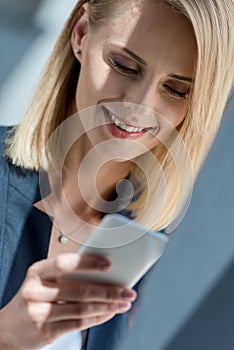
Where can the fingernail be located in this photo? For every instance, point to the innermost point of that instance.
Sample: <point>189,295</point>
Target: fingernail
<point>128,294</point>
<point>103,264</point>
<point>125,306</point>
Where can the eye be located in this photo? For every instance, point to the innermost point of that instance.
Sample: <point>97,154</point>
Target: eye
<point>176,93</point>
<point>122,68</point>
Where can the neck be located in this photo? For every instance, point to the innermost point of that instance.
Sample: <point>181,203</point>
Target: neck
<point>89,181</point>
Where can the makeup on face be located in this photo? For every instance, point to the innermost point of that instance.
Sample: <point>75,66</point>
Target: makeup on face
<point>147,60</point>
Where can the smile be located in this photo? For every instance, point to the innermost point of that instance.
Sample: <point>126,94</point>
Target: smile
<point>123,126</point>
<point>120,129</point>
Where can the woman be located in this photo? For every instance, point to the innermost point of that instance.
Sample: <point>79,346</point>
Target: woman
<point>171,61</point>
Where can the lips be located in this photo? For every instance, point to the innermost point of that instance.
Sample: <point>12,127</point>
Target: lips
<point>124,126</point>
<point>121,129</point>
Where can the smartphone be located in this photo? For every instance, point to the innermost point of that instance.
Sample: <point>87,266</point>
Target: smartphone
<point>131,248</point>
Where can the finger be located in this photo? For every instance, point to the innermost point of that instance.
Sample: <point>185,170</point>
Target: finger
<point>77,292</point>
<point>71,311</point>
<point>52,269</point>
<point>59,328</point>
<point>94,292</point>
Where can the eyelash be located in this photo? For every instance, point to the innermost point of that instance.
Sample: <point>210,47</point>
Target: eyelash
<point>175,93</point>
<point>123,69</point>
<point>128,71</point>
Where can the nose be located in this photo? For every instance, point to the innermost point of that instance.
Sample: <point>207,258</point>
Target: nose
<point>141,101</point>
<point>142,94</point>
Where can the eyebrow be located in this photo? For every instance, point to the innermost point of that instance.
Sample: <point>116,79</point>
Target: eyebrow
<point>134,56</point>
<point>180,77</point>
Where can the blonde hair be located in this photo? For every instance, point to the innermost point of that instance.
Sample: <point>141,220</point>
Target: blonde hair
<point>212,22</point>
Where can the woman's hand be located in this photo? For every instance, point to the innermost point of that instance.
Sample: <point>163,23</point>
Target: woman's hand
<point>48,306</point>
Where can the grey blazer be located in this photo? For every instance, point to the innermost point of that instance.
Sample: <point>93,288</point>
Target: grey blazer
<point>24,239</point>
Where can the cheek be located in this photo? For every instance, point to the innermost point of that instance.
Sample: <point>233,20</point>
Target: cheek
<point>173,112</point>
<point>171,115</point>
<point>95,83</point>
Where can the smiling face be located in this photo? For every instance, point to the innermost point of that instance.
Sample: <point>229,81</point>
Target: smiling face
<point>144,57</point>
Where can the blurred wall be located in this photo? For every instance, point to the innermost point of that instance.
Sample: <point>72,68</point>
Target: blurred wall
<point>28,31</point>
<point>20,8</point>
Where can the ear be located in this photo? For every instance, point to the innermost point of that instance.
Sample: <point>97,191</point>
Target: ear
<point>80,31</point>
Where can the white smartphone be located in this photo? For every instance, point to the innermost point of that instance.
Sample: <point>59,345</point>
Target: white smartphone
<point>131,248</point>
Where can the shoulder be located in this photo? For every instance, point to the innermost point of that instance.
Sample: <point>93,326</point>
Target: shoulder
<point>4,161</point>
<point>4,131</point>
<point>23,180</point>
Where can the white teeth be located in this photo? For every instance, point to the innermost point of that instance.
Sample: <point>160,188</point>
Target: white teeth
<point>125,127</point>
<point>117,123</point>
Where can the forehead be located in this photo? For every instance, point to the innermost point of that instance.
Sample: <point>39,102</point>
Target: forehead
<point>147,12</point>
<point>153,29</point>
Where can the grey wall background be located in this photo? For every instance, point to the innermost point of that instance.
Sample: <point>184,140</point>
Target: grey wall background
<point>28,30</point>
<point>187,301</point>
